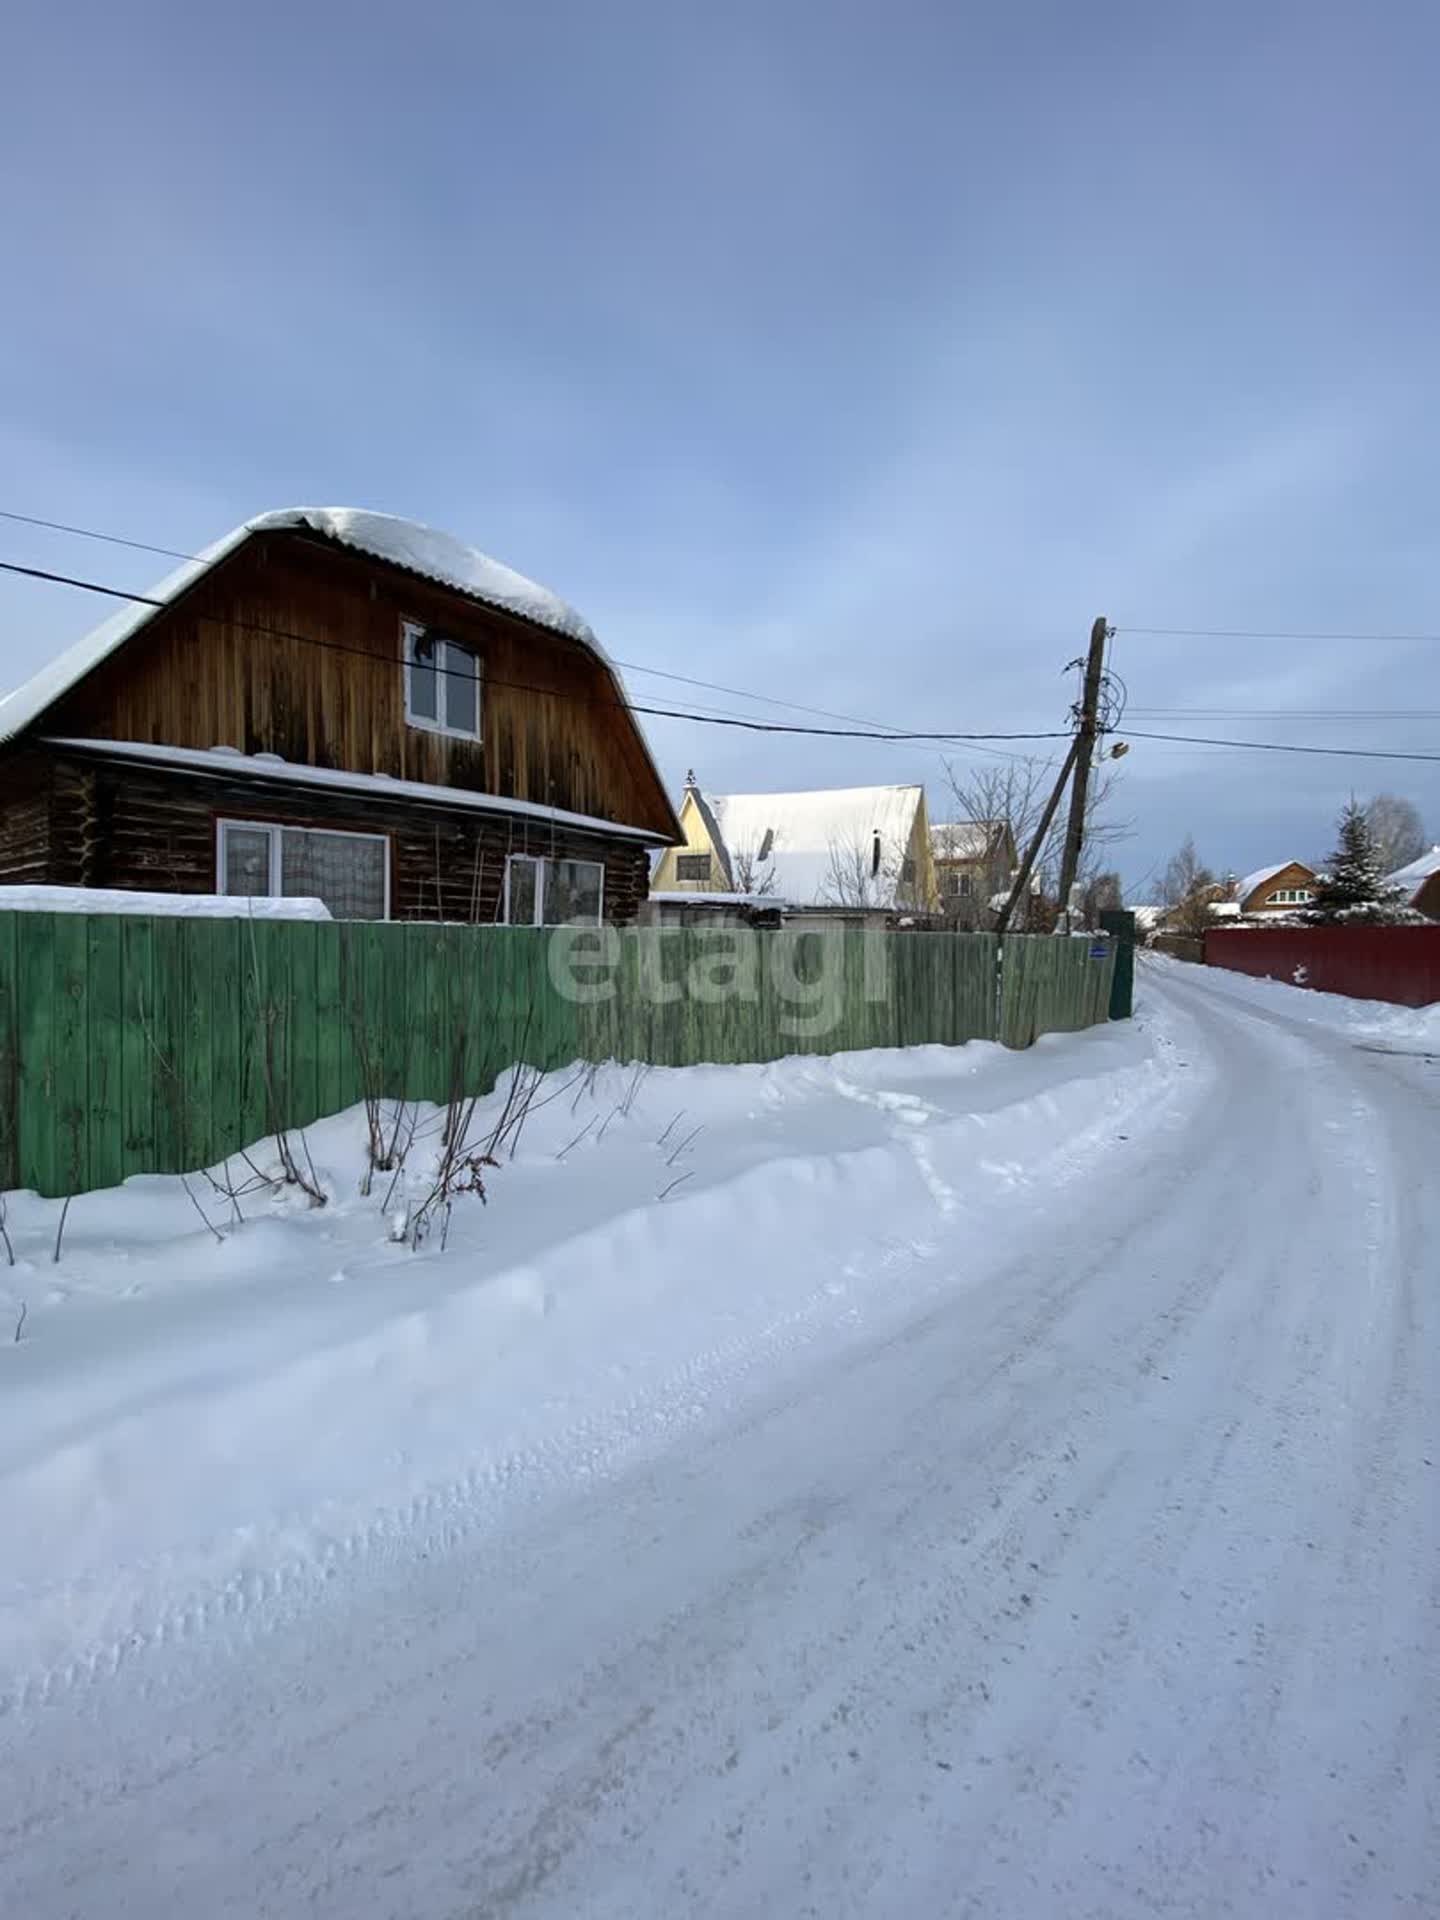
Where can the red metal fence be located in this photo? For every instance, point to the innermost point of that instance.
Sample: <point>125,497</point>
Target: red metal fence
<point>1400,964</point>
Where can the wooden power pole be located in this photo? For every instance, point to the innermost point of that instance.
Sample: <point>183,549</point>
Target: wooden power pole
<point>1022,878</point>
<point>1084,754</point>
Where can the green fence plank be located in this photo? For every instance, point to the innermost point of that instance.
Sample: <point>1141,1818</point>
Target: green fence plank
<point>201,1127</point>
<point>253,960</point>
<point>223,989</point>
<point>71,1076</point>
<point>332,1036</point>
<point>152,1045</point>
<point>105,1024</point>
<point>9,1055</point>
<point>35,970</point>
<point>140,1067</point>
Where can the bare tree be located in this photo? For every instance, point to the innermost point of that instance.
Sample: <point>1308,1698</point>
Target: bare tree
<point>861,872</point>
<point>752,867</point>
<point>1013,793</point>
<point>1396,829</point>
<point>1185,875</point>
<point>1104,893</point>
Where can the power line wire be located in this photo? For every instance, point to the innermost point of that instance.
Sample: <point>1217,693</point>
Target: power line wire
<point>1282,746</point>
<point>1261,633</point>
<point>89,533</point>
<point>630,666</point>
<point>554,693</point>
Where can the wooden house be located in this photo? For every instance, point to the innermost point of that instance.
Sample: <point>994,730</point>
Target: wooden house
<point>343,705</point>
<point>1418,885</point>
<point>975,860</point>
<point>829,852</point>
<point>1278,889</point>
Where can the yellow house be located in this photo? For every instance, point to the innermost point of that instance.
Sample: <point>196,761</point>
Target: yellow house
<point>863,849</point>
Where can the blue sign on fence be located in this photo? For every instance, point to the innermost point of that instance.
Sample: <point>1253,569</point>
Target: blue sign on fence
<point>1099,949</point>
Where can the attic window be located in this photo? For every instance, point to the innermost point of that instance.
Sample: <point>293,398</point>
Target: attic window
<point>693,866</point>
<point>442,683</point>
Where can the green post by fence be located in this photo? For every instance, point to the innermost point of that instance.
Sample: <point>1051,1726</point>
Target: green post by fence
<point>1120,925</point>
<point>131,1044</point>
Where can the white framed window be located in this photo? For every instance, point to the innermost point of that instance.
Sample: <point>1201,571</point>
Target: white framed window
<point>693,866</point>
<point>1291,897</point>
<point>553,893</point>
<point>350,872</point>
<point>442,683</point>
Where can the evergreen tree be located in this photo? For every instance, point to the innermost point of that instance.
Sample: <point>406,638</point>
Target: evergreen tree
<point>1354,888</point>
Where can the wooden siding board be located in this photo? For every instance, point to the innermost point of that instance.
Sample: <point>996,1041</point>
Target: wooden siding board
<point>9,1056</point>
<point>71,1072</point>
<point>104,971</point>
<point>162,1049</point>
<point>256,654</point>
<point>140,1070</point>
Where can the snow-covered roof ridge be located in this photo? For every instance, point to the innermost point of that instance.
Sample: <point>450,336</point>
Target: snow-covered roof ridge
<point>407,544</point>
<point>811,832</point>
<point>1257,879</point>
<point>1416,870</point>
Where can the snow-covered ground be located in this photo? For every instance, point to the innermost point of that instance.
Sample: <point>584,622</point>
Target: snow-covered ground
<point>988,1484</point>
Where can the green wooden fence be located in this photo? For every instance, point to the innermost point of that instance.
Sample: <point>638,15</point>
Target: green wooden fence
<point>137,1045</point>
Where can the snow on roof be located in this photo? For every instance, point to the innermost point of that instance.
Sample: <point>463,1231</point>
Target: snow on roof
<point>1417,872</point>
<point>965,839</point>
<point>169,906</point>
<point>813,833</point>
<point>1258,879</point>
<point>702,897</point>
<point>400,543</point>
<point>1147,918</point>
<point>222,762</point>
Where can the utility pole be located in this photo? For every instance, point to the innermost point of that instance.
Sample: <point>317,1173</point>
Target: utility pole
<point>1084,754</point>
<point>1022,878</point>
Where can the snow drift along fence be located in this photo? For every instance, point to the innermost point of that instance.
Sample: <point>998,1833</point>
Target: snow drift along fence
<point>137,1045</point>
<point>1398,964</point>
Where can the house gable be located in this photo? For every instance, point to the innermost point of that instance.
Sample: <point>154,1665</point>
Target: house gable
<point>290,643</point>
<point>679,867</point>
<point>1272,889</point>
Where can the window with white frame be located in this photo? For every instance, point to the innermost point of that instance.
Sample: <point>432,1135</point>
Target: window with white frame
<point>1291,897</point>
<point>693,866</point>
<point>442,683</point>
<point>350,872</point>
<point>553,893</point>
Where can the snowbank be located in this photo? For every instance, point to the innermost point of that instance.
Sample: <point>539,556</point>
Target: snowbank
<point>177,906</point>
<point>196,1414</point>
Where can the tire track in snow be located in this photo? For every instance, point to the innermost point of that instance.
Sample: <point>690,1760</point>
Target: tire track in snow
<point>234,1616</point>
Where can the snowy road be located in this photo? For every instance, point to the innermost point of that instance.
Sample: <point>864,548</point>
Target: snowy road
<point>1103,1582</point>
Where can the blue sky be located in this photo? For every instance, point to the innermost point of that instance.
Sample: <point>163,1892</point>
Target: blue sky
<point>856,356</point>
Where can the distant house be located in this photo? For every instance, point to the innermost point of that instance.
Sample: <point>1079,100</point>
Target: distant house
<point>1277,889</point>
<point>843,851</point>
<point>346,706</point>
<point>974,861</point>
<point>1419,884</point>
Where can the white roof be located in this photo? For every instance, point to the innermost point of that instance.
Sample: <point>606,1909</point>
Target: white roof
<point>169,906</point>
<point>964,839</point>
<point>402,543</point>
<point>702,897</point>
<point>818,832</point>
<point>222,762</point>
<point>1257,879</point>
<point>1413,876</point>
